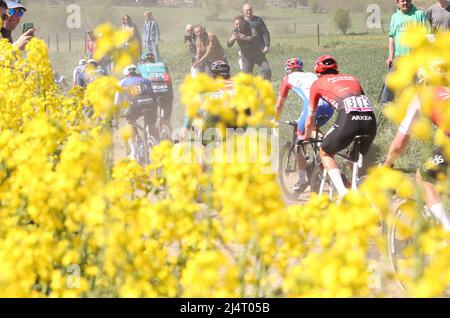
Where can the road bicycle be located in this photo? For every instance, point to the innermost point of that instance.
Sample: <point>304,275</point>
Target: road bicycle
<point>411,218</point>
<point>320,181</point>
<point>288,164</point>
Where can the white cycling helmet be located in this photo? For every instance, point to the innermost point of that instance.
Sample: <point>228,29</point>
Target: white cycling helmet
<point>82,62</point>
<point>129,69</point>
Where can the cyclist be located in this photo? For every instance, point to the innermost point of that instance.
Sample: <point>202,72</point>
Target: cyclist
<point>89,73</point>
<point>138,93</point>
<point>158,74</point>
<point>300,82</point>
<point>425,176</point>
<point>77,71</point>
<point>355,115</point>
<point>219,69</point>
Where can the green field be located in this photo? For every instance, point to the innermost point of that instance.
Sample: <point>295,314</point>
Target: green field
<point>361,53</point>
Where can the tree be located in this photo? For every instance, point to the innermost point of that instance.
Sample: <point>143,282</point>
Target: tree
<point>342,20</point>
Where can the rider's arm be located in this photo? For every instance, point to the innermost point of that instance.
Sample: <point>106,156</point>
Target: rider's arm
<point>284,91</point>
<point>313,104</point>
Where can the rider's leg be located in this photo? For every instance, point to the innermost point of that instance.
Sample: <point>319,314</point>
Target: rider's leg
<point>433,201</point>
<point>300,158</point>
<point>334,172</point>
<point>131,142</point>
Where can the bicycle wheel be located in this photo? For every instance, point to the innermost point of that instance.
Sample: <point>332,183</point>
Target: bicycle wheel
<point>316,182</point>
<point>404,255</point>
<point>288,171</point>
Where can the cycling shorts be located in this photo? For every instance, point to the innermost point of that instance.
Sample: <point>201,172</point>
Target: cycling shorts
<point>142,107</point>
<point>346,128</point>
<point>324,109</point>
<point>434,166</point>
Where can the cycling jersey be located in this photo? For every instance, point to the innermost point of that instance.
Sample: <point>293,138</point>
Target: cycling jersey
<point>436,163</point>
<point>343,92</point>
<point>77,71</point>
<point>441,94</point>
<point>300,83</point>
<point>87,76</point>
<point>355,113</point>
<point>153,70</point>
<point>139,95</point>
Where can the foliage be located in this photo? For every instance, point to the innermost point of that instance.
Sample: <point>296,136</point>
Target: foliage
<point>73,224</point>
<point>342,20</point>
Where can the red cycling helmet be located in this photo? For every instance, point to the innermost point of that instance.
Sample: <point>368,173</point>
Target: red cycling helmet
<point>293,64</point>
<point>324,63</point>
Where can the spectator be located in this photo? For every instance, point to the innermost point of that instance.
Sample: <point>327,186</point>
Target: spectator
<point>3,8</point>
<point>11,19</point>
<point>131,27</point>
<point>439,15</point>
<point>151,35</point>
<point>189,40</point>
<point>208,49</point>
<point>406,14</point>
<point>91,45</point>
<point>250,52</point>
<point>261,43</point>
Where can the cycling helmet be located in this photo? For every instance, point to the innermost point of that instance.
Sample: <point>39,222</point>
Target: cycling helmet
<point>129,69</point>
<point>293,64</point>
<point>325,63</point>
<point>221,68</point>
<point>148,56</point>
<point>82,62</point>
<point>92,62</point>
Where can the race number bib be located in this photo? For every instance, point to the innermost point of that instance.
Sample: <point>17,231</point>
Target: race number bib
<point>357,104</point>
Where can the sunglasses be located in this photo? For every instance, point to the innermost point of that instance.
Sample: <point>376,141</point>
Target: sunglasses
<point>12,12</point>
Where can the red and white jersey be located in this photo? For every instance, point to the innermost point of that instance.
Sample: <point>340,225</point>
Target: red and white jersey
<point>343,92</point>
<point>442,94</point>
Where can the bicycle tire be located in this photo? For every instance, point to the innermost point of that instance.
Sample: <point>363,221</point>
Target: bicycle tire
<point>288,171</point>
<point>399,240</point>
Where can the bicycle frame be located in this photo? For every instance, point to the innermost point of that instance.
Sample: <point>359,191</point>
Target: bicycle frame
<point>357,162</point>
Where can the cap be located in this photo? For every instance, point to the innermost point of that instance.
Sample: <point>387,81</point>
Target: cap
<point>15,4</point>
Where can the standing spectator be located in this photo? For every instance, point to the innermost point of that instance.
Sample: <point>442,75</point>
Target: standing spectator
<point>91,45</point>
<point>439,15</point>
<point>11,19</point>
<point>151,35</point>
<point>250,53</point>
<point>132,28</point>
<point>208,49</point>
<point>189,41</point>
<point>406,14</point>
<point>262,43</point>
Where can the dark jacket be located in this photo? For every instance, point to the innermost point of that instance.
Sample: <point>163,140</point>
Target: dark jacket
<point>248,40</point>
<point>261,30</point>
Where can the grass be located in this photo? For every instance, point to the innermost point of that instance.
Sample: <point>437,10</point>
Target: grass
<point>362,53</point>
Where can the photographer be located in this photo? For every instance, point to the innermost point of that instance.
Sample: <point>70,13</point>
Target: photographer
<point>11,18</point>
<point>251,53</point>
